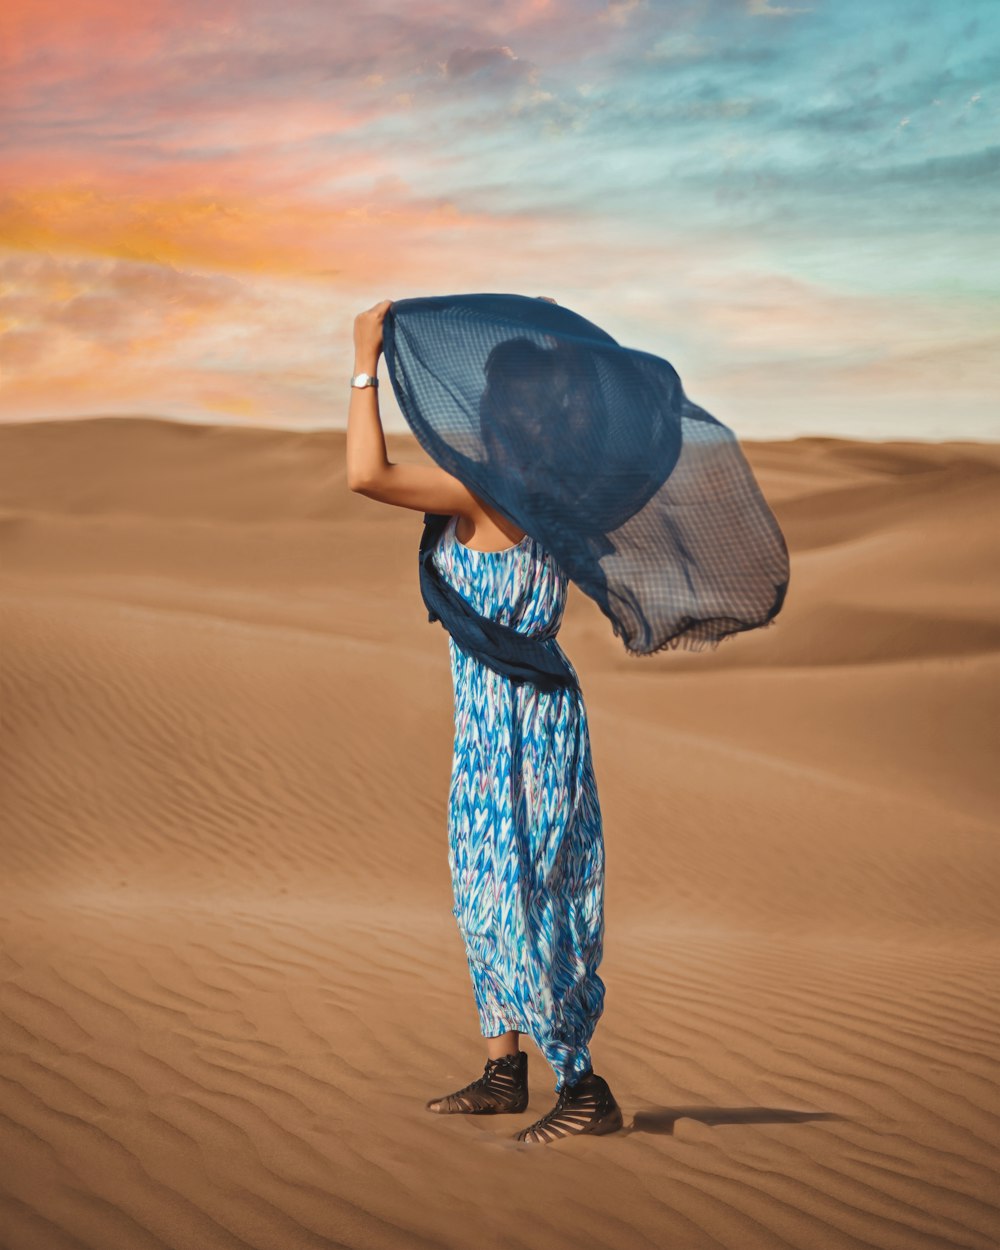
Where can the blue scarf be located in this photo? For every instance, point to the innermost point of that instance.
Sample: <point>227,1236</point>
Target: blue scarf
<point>643,498</point>
<point>519,656</point>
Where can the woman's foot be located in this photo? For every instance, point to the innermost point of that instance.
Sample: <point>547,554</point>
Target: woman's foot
<point>502,1087</point>
<point>587,1106</point>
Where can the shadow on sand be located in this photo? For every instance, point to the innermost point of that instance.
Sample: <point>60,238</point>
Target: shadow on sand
<point>662,1119</point>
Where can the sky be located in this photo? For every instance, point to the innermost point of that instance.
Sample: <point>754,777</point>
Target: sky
<point>796,205</point>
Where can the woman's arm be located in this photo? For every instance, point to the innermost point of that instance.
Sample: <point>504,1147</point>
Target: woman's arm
<point>366,454</point>
<point>425,488</point>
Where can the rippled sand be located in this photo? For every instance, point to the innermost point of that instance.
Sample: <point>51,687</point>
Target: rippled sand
<point>231,976</point>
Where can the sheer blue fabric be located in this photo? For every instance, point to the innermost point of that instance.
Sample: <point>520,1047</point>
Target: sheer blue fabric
<point>643,497</point>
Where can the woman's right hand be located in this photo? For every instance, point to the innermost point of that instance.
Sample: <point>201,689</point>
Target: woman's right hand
<point>368,333</point>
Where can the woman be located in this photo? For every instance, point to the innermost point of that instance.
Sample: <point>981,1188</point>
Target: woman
<point>526,847</point>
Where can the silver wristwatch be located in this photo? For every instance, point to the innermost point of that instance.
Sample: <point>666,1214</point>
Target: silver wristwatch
<point>364,379</point>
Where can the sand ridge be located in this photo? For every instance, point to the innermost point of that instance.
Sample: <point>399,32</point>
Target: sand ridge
<point>231,975</point>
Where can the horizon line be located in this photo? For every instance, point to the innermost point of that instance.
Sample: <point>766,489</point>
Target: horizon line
<point>313,428</point>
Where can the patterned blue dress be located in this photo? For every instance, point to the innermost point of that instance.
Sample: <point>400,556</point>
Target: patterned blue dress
<point>525,835</point>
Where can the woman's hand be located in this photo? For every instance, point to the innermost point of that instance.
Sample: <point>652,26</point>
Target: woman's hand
<point>368,335</point>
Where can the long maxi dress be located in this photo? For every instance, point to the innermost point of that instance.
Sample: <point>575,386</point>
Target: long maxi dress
<point>525,833</point>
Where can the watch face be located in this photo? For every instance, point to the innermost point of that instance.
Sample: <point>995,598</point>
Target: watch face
<point>362,379</point>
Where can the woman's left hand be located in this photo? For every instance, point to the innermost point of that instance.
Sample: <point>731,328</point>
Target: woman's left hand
<point>368,331</point>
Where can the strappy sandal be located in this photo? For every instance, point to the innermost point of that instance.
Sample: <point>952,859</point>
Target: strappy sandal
<point>502,1087</point>
<point>587,1106</point>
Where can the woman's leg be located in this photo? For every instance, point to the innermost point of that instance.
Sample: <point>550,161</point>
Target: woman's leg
<point>564,921</point>
<point>567,940</point>
<point>565,945</point>
<point>503,1044</point>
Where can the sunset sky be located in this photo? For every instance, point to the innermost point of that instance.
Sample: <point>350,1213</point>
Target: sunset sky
<point>795,205</point>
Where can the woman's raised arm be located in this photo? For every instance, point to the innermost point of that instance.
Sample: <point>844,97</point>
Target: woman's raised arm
<point>423,487</point>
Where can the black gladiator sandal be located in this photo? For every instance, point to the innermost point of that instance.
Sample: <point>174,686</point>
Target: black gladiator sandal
<point>502,1087</point>
<point>587,1106</point>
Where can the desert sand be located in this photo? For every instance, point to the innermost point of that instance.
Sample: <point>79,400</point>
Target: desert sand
<point>231,975</point>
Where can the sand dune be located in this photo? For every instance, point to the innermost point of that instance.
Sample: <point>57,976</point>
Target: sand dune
<point>231,976</point>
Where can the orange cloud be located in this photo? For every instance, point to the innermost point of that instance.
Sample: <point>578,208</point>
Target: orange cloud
<point>236,234</point>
